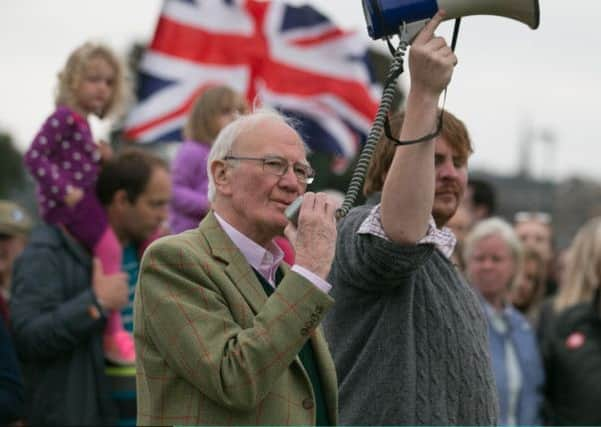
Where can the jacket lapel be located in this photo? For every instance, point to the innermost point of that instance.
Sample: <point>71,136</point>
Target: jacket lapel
<point>237,268</point>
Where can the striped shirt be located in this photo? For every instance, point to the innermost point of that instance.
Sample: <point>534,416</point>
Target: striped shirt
<point>442,238</point>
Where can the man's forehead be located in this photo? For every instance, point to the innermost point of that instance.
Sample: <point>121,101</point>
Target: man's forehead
<point>443,148</point>
<point>532,227</point>
<point>267,135</point>
<point>160,178</point>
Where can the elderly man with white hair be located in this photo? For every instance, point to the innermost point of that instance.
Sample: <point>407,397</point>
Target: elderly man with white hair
<point>227,332</point>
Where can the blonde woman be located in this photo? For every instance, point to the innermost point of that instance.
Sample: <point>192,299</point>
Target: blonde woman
<point>529,291</point>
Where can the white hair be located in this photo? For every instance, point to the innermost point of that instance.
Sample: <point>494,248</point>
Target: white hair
<point>495,227</point>
<point>228,136</point>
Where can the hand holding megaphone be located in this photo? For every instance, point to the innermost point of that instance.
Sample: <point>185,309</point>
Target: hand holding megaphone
<point>314,239</point>
<point>431,60</point>
<point>406,18</point>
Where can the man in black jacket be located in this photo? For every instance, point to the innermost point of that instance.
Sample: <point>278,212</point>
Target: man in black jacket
<point>60,296</point>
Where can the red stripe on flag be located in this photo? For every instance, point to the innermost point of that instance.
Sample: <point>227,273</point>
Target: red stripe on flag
<point>137,131</point>
<point>258,10</point>
<point>194,44</point>
<point>282,78</point>
<point>332,34</point>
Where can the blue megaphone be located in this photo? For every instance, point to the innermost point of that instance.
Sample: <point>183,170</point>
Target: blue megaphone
<point>384,17</point>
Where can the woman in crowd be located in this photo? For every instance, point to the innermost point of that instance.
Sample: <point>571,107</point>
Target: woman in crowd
<point>529,291</point>
<point>493,256</point>
<point>535,231</point>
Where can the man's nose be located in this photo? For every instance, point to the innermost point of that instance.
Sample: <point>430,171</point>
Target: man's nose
<point>290,180</point>
<point>487,263</point>
<point>448,169</point>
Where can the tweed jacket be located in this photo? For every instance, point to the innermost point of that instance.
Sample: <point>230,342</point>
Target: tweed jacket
<point>213,349</point>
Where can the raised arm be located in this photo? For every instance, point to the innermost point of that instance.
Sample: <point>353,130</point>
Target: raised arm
<point>408,192</point>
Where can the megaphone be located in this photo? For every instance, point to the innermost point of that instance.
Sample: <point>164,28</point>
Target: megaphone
<point>384,17</point>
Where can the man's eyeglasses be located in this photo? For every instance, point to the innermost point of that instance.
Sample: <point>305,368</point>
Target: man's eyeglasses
<point>542,217</point>
<point>279,166</point>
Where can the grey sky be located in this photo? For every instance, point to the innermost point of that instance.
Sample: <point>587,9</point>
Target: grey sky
<point>509,77</point>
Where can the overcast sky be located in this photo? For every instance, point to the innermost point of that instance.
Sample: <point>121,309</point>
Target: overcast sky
<point>509,78</point>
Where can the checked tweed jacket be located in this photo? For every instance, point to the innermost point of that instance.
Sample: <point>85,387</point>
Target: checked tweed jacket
<point>213,349</point>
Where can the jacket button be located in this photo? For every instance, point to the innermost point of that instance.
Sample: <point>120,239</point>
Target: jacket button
<point>308,403</point>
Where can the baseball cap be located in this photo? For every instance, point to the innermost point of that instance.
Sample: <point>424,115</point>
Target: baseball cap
<point>13,219</point>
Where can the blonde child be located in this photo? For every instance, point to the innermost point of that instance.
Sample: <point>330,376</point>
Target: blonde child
<point>213,110</point>
<point>65,162</point>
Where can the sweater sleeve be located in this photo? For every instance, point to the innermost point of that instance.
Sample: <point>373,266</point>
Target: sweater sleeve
<point>370,262</point>
<point>190,181</point>
<point>41,159</point>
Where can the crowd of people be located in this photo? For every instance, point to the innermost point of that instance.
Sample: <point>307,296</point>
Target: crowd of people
<point>162,294</point>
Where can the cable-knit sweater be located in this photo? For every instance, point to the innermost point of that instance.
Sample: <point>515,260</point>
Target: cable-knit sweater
<point>407,335</point>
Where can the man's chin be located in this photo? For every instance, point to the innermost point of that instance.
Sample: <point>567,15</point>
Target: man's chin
<point>277,221</point>
<point>145,235</point>
<point>443,212</point>
<point>446,198</point>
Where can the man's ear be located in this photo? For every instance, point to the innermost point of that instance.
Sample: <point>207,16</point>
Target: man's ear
<point>221,176</point>
<point>120,199</point>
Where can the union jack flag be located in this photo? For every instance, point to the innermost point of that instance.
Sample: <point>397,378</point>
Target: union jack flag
<point>288,57</point>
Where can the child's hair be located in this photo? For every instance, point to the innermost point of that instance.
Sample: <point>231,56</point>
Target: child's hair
<point>201,125</point>
<point>70,77</point>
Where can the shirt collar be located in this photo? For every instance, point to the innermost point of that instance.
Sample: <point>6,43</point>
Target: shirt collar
<point>264,260</point>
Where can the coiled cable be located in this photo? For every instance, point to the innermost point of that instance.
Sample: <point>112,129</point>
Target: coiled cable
<point>375,132</point>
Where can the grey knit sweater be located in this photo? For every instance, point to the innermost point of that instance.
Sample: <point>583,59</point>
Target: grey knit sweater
<point>407,335</point>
